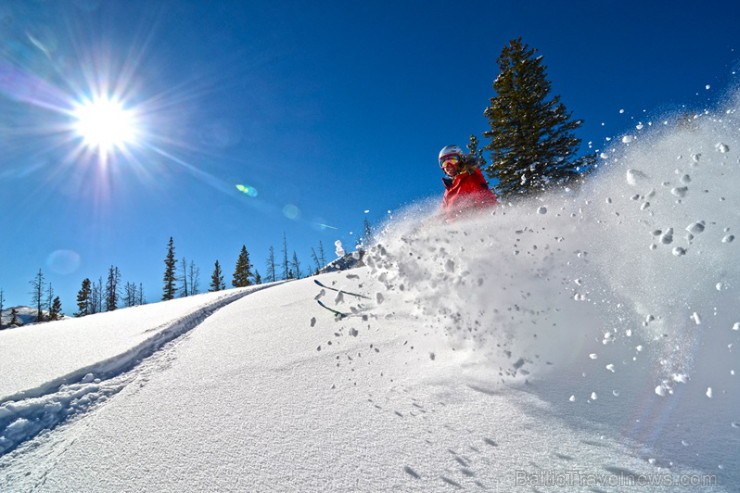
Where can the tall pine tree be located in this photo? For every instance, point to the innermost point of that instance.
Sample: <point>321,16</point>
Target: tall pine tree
<point>168,292</point>
<point>243,270</point>
<point>83,299</point>
<point>533,147</point>
<point>111,288</point>
<point>217,278</point>
<point>55,310</point>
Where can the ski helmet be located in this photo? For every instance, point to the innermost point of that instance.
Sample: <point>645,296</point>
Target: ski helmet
<point>450,150</point>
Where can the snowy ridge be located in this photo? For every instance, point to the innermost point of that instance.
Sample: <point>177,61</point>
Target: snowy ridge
<point>24,415</point>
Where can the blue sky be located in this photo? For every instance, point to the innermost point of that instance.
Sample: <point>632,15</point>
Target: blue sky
<point>327,109</point>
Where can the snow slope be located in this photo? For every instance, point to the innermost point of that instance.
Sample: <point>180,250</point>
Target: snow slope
<point>584,342</point>
<point>271,393</point>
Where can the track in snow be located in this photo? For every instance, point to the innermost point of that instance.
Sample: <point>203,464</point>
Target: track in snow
<point>24,416</point>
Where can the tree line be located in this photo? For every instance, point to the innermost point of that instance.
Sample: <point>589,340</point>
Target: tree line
<point>181,279</point>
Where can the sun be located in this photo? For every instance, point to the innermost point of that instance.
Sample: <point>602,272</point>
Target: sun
<point>105,125</point>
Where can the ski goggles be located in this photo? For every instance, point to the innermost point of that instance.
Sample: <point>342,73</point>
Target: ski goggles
<point>449,161</point>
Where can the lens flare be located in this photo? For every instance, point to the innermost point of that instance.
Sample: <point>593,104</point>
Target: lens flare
<point>247,190</point>
<point>63,261</point>
<point>291,211</point>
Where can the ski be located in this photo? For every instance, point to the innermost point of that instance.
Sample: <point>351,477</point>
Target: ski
<point>336,313</point>
<point>349,293</point>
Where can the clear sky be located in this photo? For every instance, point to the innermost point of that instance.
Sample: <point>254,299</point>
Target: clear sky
<point>329,111</point>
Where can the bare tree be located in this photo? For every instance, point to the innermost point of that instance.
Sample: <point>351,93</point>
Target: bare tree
<point>271,276</point>
<point>194,277</point>
<point>130,294</point>
<point>296,266</point>
<point>49,300</point>
<point>184,278</point>
<point>2,303</point>
<point>37,294</point>
<point>315,259</point>
<point>286,274</point>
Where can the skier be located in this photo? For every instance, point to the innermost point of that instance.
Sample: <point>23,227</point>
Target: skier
<point>466,189</point>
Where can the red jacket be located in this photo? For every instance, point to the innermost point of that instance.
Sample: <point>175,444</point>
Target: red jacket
<point>466,191</point>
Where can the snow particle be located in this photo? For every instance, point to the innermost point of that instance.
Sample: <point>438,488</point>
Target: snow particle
<point>679,251</point>
<point>696,318</point>
<point>635,175</point>
<point>594,396</point>
<point>696,228</point>
<point>736,326</point>
<point>572,398</point>
<point>680,192</point>
<point>723,148</point>
<point>627,139</point>
<point>709,392</point>
<point>593,356</point>
<point>728,239</point>
<point>542,210</point>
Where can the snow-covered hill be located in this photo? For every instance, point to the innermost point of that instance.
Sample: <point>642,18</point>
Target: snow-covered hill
<point>580,343</point>
<point>25,315</point>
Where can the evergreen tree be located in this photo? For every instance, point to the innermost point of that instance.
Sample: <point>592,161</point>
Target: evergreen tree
<point>14,321</point>
<point>55,310</point>
<point>111,288</point>
<point>141,294</point>
<point>168,292</point>
<point>532,142</point>
<point>367,234</point>
<point>37,294</point>
<point>322,257</point>
<point>83,299</point>
<point>271,276</point>
<point>257,277</point>
<point>217,278</point>
<point>475,151</point>
<point>2,305</point>
<point>243,270</point>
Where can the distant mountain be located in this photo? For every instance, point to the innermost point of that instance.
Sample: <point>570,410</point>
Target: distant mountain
<point>25,314</point>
